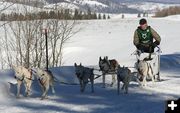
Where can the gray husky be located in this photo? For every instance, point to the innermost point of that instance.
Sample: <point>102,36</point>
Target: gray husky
<point>84,74</point>
<point>125,76</point>
<point>108,67</point>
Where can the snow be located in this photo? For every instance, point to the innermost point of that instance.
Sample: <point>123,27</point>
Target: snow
<point>62,5</point>
<point>173,17</point>
<point>111,38</point>
<point>149,6</point>
<point>75,4</point>
<point>16,8</point>
<point>91,3</point>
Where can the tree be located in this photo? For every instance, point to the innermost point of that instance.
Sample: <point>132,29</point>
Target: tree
<point>108,17</point>
<point>99,16</point>
<point>76,14</point>
<point>89,15</point>
<point>139,15</point>
<point>104,16</point>
<point>94,16</point>
<point>122,16</point>
<point>24,42</point>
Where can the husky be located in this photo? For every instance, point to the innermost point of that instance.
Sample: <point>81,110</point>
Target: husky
<point>144,70</point>
<point>84,74</point>
<point>23,75</point>
<point>46,80</point>
<point>108,67</point>
<point>123,74</point>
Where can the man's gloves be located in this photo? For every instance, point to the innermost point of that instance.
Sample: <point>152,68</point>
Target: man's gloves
<point>155,44</point>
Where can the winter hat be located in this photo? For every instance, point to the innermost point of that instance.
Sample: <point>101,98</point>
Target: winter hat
<point>142,21</point>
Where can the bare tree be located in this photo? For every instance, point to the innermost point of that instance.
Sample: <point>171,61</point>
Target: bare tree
<point>24,41</point>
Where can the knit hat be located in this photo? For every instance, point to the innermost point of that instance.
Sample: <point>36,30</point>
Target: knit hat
<point>142,21</point>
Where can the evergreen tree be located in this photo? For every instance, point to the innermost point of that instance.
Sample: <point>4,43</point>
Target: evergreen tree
<point>108,17</point>
<point>89,15</point>
<point>99,16</point>
<point>76,14</point>
<point>104,16</point>
<point>3,17</point>
<point>94,16</point>
<point>123,16</point>
<point>139,15</point>
<point>144,14</point>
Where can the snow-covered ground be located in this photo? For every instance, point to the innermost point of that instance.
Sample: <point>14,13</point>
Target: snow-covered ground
<point>111,38</point>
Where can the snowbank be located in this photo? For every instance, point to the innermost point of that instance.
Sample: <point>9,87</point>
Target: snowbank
<point>173,18</point>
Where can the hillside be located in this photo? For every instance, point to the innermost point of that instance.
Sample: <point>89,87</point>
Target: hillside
<point>101,6</point>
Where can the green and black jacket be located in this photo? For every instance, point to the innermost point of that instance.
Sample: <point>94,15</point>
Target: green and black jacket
<point>145,37</point>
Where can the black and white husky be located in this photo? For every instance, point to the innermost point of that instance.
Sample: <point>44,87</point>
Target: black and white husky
<point>108,67</point>
<point>84,75</point>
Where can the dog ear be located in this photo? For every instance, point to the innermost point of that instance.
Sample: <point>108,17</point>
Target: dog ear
<point>106,57</point>
<point>100,58</point>
<point>75,64</point>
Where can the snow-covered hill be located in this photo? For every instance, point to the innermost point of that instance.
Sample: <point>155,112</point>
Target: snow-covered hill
<point>116,6</point>
<point>111,38</point>
<point>9,7</point>
<point>102,6</point>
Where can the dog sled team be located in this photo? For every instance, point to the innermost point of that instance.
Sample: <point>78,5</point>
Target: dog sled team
<point>146,40</point>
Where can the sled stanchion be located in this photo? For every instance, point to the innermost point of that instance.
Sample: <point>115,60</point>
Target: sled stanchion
<point>159,52</point>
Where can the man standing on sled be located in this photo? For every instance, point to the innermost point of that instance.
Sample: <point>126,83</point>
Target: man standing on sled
<point>146,38</point>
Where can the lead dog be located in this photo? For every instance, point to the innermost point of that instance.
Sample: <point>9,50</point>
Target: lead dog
<point>23,75</point>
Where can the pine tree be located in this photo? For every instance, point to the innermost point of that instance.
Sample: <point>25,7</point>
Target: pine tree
<point>76,14</point>
<point>144,14</point>
<point>99,16</point>
<point>108,17</point>
<point>104,16</point>
<point>94,16</point>
<point>139,15</point>
<point>123,16</point>
<point>89,13</point>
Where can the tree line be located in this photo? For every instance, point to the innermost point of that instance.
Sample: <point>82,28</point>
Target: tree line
<point>60,14</point>
<point>174,10</point>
